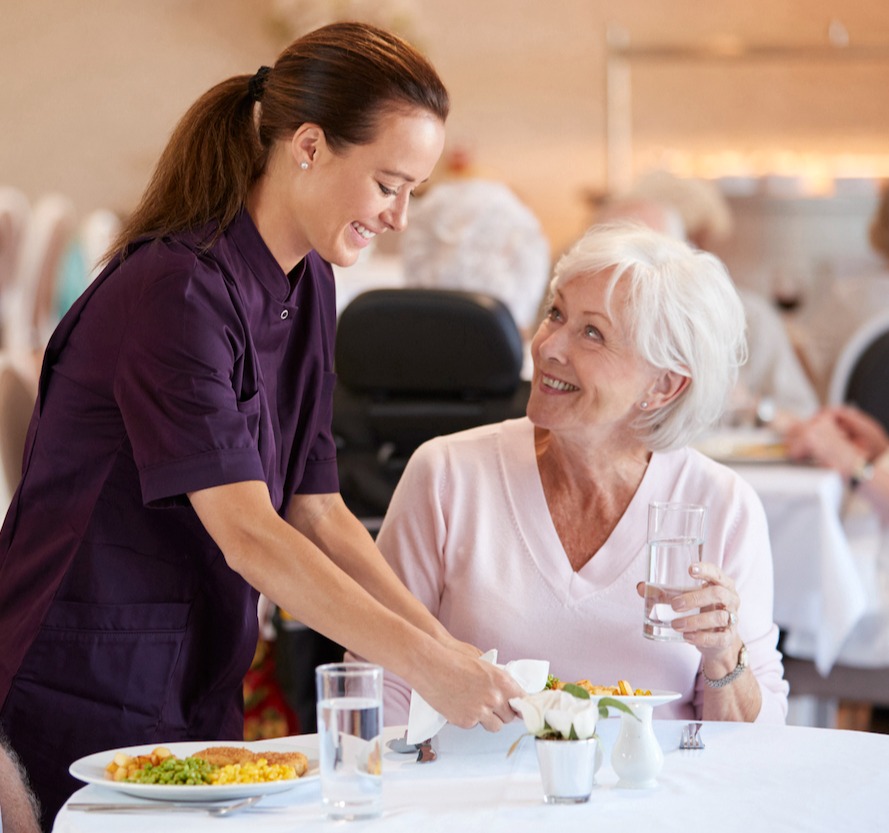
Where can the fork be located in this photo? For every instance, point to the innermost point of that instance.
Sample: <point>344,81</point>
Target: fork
<point>176,806</point>
<point>691,738</point>
<point>426,753</point>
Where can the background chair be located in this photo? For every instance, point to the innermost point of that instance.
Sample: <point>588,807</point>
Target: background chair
<point>861,373</point>
<point>15,208</point>
<point>30,316</point>
<point>413,364</point>
<point>18,392</point>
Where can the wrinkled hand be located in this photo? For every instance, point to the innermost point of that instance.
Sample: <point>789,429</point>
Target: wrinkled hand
<point>824,440</point>
<point>468,691</point>
<point>861,429</point>
<point>713,630</point>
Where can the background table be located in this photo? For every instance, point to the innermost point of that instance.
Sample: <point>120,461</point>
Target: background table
<point>749,777</point>
<point>820,595</point>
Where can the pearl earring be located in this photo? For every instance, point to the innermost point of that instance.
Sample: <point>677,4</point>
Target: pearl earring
<point>304,165</point>
<point>643,405</point>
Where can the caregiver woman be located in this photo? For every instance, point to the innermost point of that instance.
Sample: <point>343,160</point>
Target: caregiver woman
<point>180,456</point>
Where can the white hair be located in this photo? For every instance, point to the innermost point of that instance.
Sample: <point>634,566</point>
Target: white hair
<point>683,314</point>
<point>477,235</point>
<point>701,205</point>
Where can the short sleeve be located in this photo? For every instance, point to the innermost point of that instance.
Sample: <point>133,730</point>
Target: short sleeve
<point>188,427</point>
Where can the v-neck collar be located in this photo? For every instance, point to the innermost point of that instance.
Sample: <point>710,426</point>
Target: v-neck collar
<point>525,492</point>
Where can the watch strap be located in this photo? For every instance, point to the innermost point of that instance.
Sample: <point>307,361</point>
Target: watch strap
<point>863,473</point>
<point>732,675</point>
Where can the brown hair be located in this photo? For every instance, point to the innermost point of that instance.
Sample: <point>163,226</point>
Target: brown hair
<point>879,227</point>
<point>342,77</point>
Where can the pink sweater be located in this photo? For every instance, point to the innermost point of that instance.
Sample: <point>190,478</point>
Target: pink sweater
<point>469,532</point>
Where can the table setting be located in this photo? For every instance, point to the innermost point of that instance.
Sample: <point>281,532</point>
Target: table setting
<point>578,753</point>
<point>749,776</point>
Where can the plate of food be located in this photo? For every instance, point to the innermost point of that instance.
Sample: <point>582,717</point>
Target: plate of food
<point>623,692</point>
<point>198,771</point>
<point>744,447</point>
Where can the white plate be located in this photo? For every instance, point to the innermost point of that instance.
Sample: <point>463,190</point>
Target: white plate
<point>656,698</point>
<point>744,447</point>
<point>91,769</point>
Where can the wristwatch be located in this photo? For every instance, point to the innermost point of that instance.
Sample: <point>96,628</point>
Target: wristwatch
<point>732,675</point>
<point>864,473</point>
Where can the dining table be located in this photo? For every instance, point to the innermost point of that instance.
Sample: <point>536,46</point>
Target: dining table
<point>747,777</point>
<point>820,591</point>
<point>826,549</point>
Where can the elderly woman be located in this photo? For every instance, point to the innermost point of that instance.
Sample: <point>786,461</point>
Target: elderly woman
<point>529,535</point>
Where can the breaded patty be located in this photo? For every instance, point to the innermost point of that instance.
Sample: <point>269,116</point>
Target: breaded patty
<point>225,755</point>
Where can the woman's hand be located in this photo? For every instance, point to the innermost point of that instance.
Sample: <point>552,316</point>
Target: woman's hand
<point>862,430</point>
<point>822,440</point>
<point>469,691</point>
<point>838,438</point>
<point>713,630</point>
<point>462,647</point>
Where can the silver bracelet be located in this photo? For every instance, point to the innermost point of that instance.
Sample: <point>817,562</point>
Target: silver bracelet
<point>733,675</point>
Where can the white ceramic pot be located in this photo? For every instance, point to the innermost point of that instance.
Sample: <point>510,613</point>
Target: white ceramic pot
<point>637,756</point>
<point>568,769</point>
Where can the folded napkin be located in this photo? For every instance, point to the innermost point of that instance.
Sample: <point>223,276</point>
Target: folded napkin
<point>424,722</point>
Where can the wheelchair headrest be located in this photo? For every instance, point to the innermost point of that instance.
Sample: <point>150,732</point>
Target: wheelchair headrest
<point>428,341</point>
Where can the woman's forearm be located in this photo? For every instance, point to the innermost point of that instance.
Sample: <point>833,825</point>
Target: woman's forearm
<point>740,700</point>
<point>328,523</point>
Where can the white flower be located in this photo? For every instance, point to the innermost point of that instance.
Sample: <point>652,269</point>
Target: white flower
<point>533,707</point>
<point>557,712</point>
<point>585,721</point>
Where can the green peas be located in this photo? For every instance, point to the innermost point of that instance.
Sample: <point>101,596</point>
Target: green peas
<point>192,771</point>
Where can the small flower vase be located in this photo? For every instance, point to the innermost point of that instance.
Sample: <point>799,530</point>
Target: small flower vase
<point>637,756</point>
<point>568,769</point>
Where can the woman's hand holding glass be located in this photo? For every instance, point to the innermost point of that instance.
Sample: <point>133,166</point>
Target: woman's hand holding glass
<point>711,623</point>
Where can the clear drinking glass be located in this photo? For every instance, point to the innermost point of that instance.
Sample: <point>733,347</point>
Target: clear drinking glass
<point>350,720</point>
<point>675,542</point>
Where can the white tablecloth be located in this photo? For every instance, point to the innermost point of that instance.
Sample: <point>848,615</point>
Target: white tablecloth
<point>748,778</point>
<point>820,595</point>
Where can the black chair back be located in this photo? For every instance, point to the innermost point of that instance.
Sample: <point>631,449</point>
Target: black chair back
<point>413,364</point>
<point>868,385</point>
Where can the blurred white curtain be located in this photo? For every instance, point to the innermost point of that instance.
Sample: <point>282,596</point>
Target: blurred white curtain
<point>14,211</point>
<point>29,316</point>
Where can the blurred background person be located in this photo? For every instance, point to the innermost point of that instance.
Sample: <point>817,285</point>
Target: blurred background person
<point>773,385</point>
<point>19,810</point>
<point>851,442</point>
<point>477,235</point>
<point>830,318</point>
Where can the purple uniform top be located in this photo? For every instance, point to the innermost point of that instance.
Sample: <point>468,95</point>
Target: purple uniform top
<point>177,370</point>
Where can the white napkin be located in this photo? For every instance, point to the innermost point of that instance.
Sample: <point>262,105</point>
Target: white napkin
<point>424,722</point>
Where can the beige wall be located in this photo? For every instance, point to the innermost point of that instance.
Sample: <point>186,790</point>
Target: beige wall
<point>91,88</point>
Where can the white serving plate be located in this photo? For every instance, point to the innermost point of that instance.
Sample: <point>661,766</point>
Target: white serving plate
<point>91,769</point>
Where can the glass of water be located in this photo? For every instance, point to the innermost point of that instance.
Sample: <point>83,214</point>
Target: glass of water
<point>350,720</point>
<point>675,541</point>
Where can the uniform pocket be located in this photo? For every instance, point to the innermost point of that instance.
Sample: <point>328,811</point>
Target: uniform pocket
<point>119,658</point>
<point>250,409</point>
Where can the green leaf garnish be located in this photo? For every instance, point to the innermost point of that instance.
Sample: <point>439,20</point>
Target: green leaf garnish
<point>577,691</point>
<point>609,702</point>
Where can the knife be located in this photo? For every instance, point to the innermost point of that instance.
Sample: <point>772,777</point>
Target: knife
<point>426,753</point>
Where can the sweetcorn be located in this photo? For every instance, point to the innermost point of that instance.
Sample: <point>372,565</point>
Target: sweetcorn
<point>253,772</point>
<point>623,688</point>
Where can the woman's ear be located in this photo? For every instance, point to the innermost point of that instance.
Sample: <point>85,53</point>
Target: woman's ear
<point>666,388</point>
<point>306,142</point>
